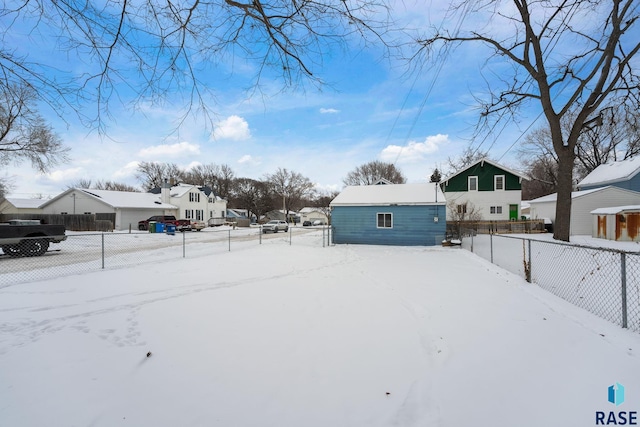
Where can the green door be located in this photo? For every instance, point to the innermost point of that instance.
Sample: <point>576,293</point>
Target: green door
<point>513,212</point>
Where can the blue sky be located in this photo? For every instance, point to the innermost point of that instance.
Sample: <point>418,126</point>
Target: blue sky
<point>371,109</point>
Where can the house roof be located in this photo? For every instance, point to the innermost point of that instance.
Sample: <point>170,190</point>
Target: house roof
<point>609,173</point>
<point>119,199</point>
<point>582,193</point>
<point>491,162</point>
<point>615,209</point>
<point>392,194</point>
<point>310,209</point>
<point>25,203</point>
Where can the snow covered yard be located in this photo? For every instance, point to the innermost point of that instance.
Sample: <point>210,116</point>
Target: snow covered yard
<point>279,335</point>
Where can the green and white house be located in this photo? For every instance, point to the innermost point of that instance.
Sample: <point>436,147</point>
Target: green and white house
<point>487,188</point>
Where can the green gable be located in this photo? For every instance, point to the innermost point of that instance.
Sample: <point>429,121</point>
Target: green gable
<point>485,171</point>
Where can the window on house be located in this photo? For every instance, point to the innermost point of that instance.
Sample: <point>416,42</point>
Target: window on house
<point>462,209</point>
<point>498,182</point>
<point>495,209</point>
<point>188,213</point>
<point>199,214</point>
<point>385,220</point>
<point>473,183</point>
<point>64,213</point>
<point>194,197</point>
<point>87,213</point>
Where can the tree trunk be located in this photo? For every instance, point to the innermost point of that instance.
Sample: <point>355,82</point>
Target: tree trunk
<point>562,225</point>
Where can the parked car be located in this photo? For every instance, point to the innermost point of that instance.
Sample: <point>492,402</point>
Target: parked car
<point>317,222</point>
<point>197,225</point>
<point>275,226</point>
<point>306,223</point>
<point>164,219</point>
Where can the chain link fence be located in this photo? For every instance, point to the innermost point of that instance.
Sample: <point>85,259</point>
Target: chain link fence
<point>605,282</point>
<point>85,252</point>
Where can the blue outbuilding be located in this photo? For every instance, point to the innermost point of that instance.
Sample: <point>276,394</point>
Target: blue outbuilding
<point>393,214</point>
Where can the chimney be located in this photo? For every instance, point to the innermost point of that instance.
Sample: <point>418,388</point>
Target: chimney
<point>165,192</point>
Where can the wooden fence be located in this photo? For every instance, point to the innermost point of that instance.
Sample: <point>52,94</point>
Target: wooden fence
<point>88,222</point>
<point>458,228</point>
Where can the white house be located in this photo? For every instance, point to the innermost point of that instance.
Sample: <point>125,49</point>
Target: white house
<point>192,201</point>
<point>582,203</point>
<point>14,205</point>
<point>491,190</point>
<point>313,214</point>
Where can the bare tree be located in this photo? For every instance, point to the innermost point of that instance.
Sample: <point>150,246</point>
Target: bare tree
<point>468,157</point>
<point>565,63</point>
<point>252,195</point>
<point>152,174</point>
<point>371,172</point>
<point>461,214</point>
<point>290,188</point>
<point>171,45</point>
<point>613,136</point>
<point>542,174</point>
<point>219,178</point>
<point>24,135</point>
<point>81,183</point>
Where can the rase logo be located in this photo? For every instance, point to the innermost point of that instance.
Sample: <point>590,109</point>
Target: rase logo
<point>615,396</point>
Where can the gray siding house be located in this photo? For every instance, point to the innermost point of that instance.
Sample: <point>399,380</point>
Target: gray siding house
<point>396,214</point>
<point>624,174</point>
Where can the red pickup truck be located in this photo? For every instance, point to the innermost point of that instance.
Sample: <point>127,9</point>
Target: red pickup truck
<point>181,224</point>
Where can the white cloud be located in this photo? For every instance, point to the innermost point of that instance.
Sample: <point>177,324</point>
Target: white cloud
<point>127,170</point>
<point>329,111</point>
<point>65,174</point>
<point>249,160</point>
<point>414,151</point>
<point>174,150</point>
<point>233,127</point>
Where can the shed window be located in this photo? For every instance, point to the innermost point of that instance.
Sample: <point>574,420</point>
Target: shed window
<point>385,220</point>
<point>498,182</point>
<point>473,183</point>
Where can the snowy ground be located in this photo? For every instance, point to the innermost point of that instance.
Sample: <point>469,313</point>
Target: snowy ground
<point>301,335</point>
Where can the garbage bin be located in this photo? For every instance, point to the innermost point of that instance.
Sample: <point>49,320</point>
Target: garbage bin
<point>171,229</point>
<point>152,226</point>
<point>159,227</point>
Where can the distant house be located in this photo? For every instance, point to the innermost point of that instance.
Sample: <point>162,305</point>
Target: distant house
<point>494,191</point>
<point>582,203</point>
<point>623,174</point>
<point>313,214</point>
<point>14,205</point>
<point>128,207</point>
<point>393,214</point>
<point>193,202</point>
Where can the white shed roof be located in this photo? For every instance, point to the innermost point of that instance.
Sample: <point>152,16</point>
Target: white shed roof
<point>25,203</point>
<point>392,194</point>
<point>612,172</point>
<point>575,194</point>
<point>615,210</point>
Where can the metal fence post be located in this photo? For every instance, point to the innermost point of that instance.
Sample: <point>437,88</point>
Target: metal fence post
<point>323,236</point>
<point>184,244</point>
<point>260,231</point>
<point>491,245</point>
<point>229,240</point>
<point>471,241</point>
<point>530,276</point>
<point>290,234</point>
<point>623,278</point>
<point>102,250</point>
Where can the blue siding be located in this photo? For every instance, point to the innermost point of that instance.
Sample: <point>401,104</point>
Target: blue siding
<point>412,225</point>
<point>631,184</point>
